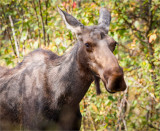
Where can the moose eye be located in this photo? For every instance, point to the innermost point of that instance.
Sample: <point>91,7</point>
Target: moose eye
<point>87,45</point>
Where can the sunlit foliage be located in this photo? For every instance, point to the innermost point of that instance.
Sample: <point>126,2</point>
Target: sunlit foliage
<point>135,26</point>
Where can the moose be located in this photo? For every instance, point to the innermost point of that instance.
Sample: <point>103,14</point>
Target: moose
<point>43,92</point>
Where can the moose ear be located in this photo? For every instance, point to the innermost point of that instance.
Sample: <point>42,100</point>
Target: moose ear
<point>104,19</point>
<point>72,23</point>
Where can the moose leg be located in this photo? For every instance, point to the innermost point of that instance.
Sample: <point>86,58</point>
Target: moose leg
<point>70,119</point>
<point>78,120</point>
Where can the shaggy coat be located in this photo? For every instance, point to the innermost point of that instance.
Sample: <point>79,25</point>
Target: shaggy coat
<point>43,92</point>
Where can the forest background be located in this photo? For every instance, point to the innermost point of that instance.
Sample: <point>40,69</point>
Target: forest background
<point>26,25</point>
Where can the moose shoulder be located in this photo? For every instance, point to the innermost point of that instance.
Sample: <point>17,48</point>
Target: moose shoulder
<point>44,90</point>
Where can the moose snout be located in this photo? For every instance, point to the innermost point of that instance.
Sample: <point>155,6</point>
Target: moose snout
<point>114,80</point>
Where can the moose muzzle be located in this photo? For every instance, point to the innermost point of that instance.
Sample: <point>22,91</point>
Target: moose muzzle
<point>114,80</point>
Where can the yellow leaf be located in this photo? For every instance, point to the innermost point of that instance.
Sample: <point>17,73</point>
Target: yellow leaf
<point>152,38</point>
<point>94,107</point>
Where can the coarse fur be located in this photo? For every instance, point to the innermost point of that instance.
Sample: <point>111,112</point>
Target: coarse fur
<point>43,92</point>
<point>29,93</point>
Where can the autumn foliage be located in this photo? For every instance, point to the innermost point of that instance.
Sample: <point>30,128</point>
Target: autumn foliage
<point>135,26</point>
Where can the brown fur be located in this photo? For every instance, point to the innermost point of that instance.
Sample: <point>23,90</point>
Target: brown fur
<point>44,90</point>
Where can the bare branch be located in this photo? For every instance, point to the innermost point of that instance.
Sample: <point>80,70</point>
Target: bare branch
<point>43,28</point>
<point>34,7</point>
<point>46,21</point>
<point>14,36</point>
<point>151,126</point>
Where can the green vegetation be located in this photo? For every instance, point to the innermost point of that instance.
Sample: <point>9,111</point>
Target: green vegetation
<point>29,24</point>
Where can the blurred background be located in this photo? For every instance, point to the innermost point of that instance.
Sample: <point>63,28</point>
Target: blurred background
<point>26,25</point>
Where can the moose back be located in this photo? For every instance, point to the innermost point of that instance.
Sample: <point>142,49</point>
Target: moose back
<point>44,90</point>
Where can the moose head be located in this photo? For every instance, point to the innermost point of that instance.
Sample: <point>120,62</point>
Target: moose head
<point>97,48</point>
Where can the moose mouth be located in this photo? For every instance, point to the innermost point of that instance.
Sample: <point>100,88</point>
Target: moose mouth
<point>112,92</point>
<point>105,85</point>
<point>97,84</point>
<point>112,84</point>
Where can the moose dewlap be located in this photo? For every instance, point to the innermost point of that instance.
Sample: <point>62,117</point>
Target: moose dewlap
<point>44,90</point>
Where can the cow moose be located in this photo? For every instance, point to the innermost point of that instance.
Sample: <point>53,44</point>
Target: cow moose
<point>43,92</point>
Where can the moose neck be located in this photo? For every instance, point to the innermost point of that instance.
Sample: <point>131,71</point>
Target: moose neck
<point>73,77</point>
